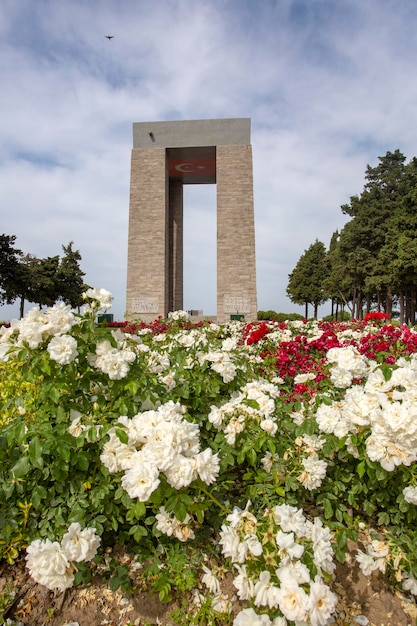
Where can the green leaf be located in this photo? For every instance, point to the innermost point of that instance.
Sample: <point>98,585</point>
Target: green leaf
<point>122,435</point>
<point>82,461</point>
<point>35,453</point>
<point>64,451</point>
<point>22,467</point>
<point>381,473</point>
<point>341,538</point>
<point>403,506</point>
<point>360,468</point>
<point>138,532</point>
<point>328,509</point>
<point>38,495</point>
<point>45,366</point>
<point>186,499</point>
<point>19,432</point>
<point>83,575</point>
<point>54,395</point>
<point>132,386</point>
<point>252,456</point>
<point>369,508</point>
<point>383,518</point>
<point>180,511</point>
<point>165,593</point>
<point>137,511</point>
<point>340,555</point>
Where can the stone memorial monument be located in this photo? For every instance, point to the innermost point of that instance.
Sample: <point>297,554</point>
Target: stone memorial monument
<point>166,156</point>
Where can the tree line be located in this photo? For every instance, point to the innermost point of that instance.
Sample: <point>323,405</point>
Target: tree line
<point>371,264</point>
<point>26,278</point>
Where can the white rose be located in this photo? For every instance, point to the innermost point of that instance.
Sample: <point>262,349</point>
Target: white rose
<point>103,297</point>
<point>141,481</point>
<point>48,565</point>
<point>62,349</point>
<point>410,494</point>
<point>269,426</point>
<point>80,545</point>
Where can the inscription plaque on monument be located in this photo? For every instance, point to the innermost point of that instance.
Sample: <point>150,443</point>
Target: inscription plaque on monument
<point>236,304</point>
<point>144,304</point>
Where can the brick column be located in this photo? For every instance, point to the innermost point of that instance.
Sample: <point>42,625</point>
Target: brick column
<point>236,268</point>
<point>148,242</point>
<point>176,247</point>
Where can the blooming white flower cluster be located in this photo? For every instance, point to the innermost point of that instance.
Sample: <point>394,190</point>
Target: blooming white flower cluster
<point>283,536</point>
<point>113,361</point>
<point>38,326</point>
<point>179,316</point>
<point>159,441</point>
<point>52,564</point>
<point>410,584</point>
<point>210,580</point>
<point>375,557</point>
<point>99,299</point>
<point>157,363</point>
<point>313,473</point>
<point>385,409</point>
<point>222,363</point>
<point>254,401</point>
<point>190,338</point>
<point>173,527</point>
<point>348,364</point>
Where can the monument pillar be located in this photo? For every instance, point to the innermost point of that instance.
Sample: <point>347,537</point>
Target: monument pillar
<point>166,156</point>
<point>236,284</point>
<point>176,274</point>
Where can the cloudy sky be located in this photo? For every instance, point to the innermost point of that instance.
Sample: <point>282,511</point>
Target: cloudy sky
<point>329,86</point>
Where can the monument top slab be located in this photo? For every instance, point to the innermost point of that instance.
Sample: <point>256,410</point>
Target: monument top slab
<point>191,133</point>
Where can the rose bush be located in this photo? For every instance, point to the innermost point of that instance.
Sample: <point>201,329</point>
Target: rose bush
<point>254,450</point>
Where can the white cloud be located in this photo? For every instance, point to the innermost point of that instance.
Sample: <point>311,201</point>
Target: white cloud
<point>328,85</point>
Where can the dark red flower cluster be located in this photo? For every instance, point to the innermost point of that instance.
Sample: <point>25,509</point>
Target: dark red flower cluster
<point>389,343</point>
<point>302,356</point>
<point>156,326</point>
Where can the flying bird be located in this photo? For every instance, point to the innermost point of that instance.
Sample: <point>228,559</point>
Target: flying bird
<point>109,37</point>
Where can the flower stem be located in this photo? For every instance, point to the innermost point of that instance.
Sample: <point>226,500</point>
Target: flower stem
<point>216,502</point>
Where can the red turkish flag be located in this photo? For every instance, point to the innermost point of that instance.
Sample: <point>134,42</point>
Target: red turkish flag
<point>192,167</point>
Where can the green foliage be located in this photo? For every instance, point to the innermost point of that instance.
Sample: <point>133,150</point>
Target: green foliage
<point>121,579</point>
<point>306,281</point>
<point>41,281</point>
<point>342,316</point>
<point>172,568</point>
<point>9,265</point>
<point>279,317</point>
<point>70,277</point>
<point>202,615</point>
